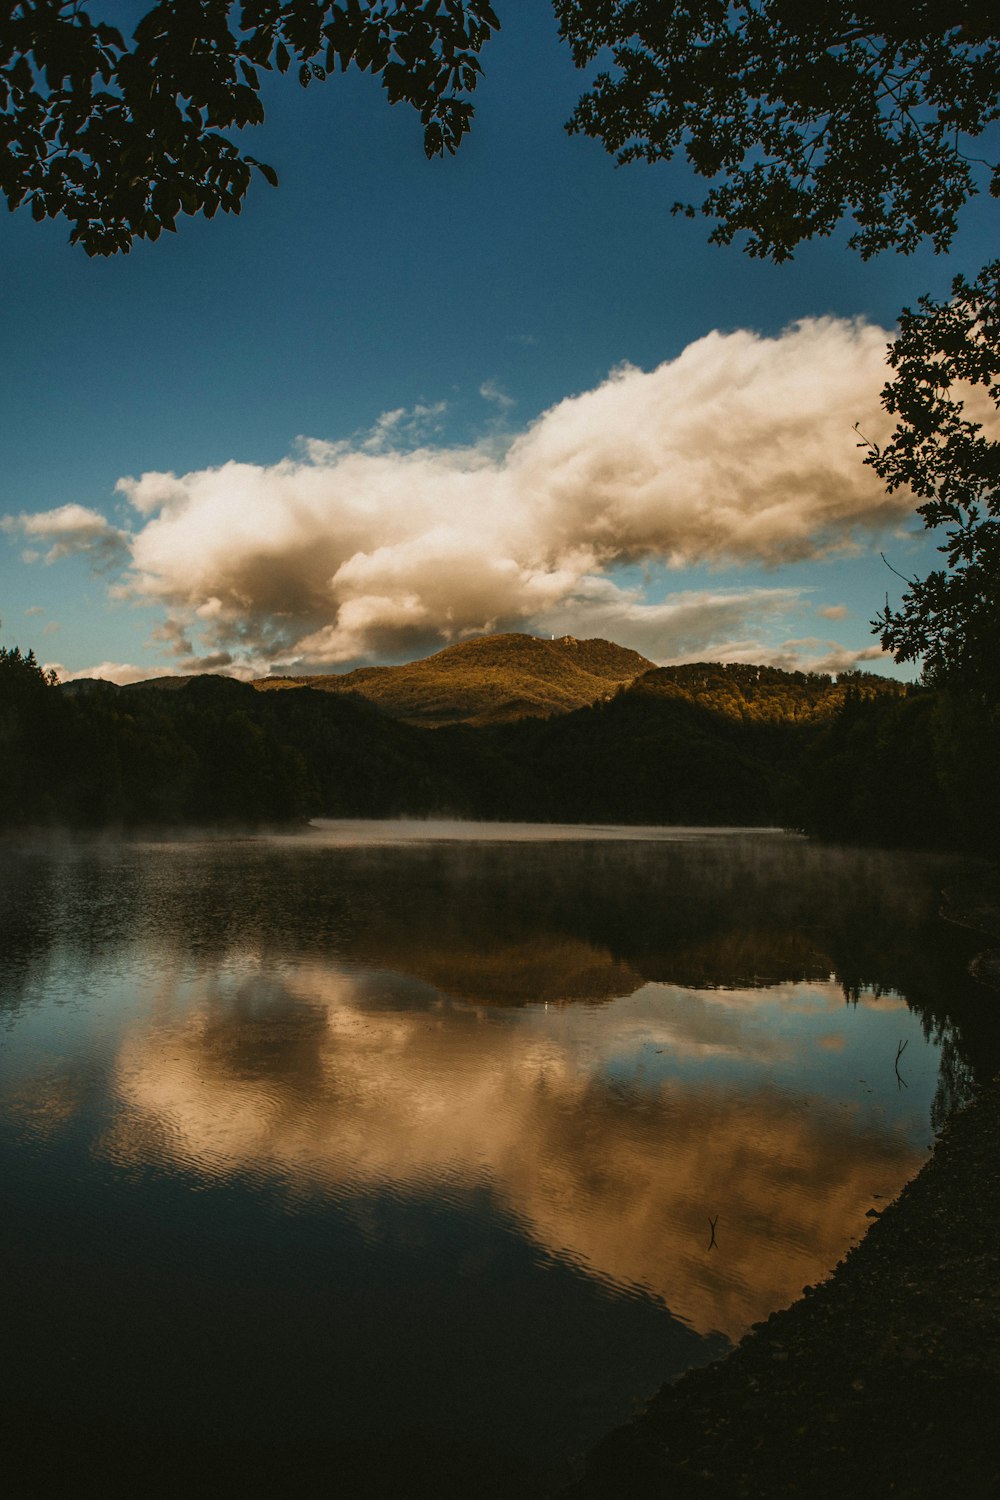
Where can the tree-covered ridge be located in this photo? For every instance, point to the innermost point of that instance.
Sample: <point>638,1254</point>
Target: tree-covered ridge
<point>488,679</point>
<point>497,679</point>
<point>761,694</point>
<point>859,758</point>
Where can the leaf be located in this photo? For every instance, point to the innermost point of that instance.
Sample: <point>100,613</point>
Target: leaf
<point>265,171</point>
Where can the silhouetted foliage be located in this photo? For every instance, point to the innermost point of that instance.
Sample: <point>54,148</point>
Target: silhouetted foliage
<point>804,112</point>
<point>944,352</point>
<point>803,115</point>
<point>120,135</point>
<point>871,773</point>
<point>30,720</point>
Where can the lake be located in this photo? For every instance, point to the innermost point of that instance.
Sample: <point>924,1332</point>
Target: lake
<point>420,1154</point>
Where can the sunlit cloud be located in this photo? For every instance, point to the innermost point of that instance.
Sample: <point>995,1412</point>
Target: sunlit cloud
<point>828,656</point>
<point>803,654</point>
<point>740,452</point>
<point>120,672</point>
<point>123,672</point>
<point>689,621</point>
<point>393,429</point>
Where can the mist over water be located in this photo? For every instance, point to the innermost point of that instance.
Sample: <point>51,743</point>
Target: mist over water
<point>369,831</point>
<point>386,1129</point>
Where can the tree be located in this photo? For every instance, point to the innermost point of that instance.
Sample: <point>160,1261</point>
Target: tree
<point>806,112</point>
<point>120,137</point>
<point>21,677</point>
<point>803,111</point>
<point>30,724</point>
<point>946,352</point>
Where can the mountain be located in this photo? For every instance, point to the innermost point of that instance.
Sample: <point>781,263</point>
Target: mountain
<point>752,694</point>
<point>700,743</point>
<point>491,679</point>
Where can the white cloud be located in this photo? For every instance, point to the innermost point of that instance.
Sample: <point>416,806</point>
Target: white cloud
<point>124,672</point>
<point>805,654</point>
<point>491,391</point>
<point>835,658</point>
<point>394,428</point>
<point>688,624</point>
<point>70,529</point>
<point>109,671</point>
<point>832,611</point>
<point>739,452</point>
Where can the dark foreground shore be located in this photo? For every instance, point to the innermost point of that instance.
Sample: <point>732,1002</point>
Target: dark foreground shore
<point>885,1380</point>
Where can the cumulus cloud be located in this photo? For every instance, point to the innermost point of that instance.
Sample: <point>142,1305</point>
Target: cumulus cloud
<point>834,658</point>
<point>397,427</point>
<point>689,621</point>
<point>804,654</point>
<point>216,661</point>
<point>833,611</point>
<point>124,672</point>
<point>108,671</point>
<point>70,529</point>
<point>741,451</point>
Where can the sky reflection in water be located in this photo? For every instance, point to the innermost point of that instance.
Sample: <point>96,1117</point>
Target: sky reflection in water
<point>529,1074</point>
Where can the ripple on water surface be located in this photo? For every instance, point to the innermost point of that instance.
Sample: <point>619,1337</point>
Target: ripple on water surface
<point>479,1137</point>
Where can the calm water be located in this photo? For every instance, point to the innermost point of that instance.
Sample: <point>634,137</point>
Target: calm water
<point>397,1149</point>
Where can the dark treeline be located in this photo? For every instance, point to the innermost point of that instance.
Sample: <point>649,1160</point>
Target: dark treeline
<point>860,758</point>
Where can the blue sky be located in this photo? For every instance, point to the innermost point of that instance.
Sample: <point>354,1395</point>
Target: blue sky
<point>485,301</point>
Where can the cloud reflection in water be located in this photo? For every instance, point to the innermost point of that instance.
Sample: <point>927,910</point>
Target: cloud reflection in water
<point>611,1131</point>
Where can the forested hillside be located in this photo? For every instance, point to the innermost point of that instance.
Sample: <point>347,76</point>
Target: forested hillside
<point>489,679</point>
<point>857,758</point>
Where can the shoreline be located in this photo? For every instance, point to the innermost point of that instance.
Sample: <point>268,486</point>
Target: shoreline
<point>885,1376</point>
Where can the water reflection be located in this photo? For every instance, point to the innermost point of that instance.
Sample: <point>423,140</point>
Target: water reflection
<point>465,1092</point>
<point>604,1131</point>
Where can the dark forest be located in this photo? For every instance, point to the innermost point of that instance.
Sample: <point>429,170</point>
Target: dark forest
<point>856,758</point>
